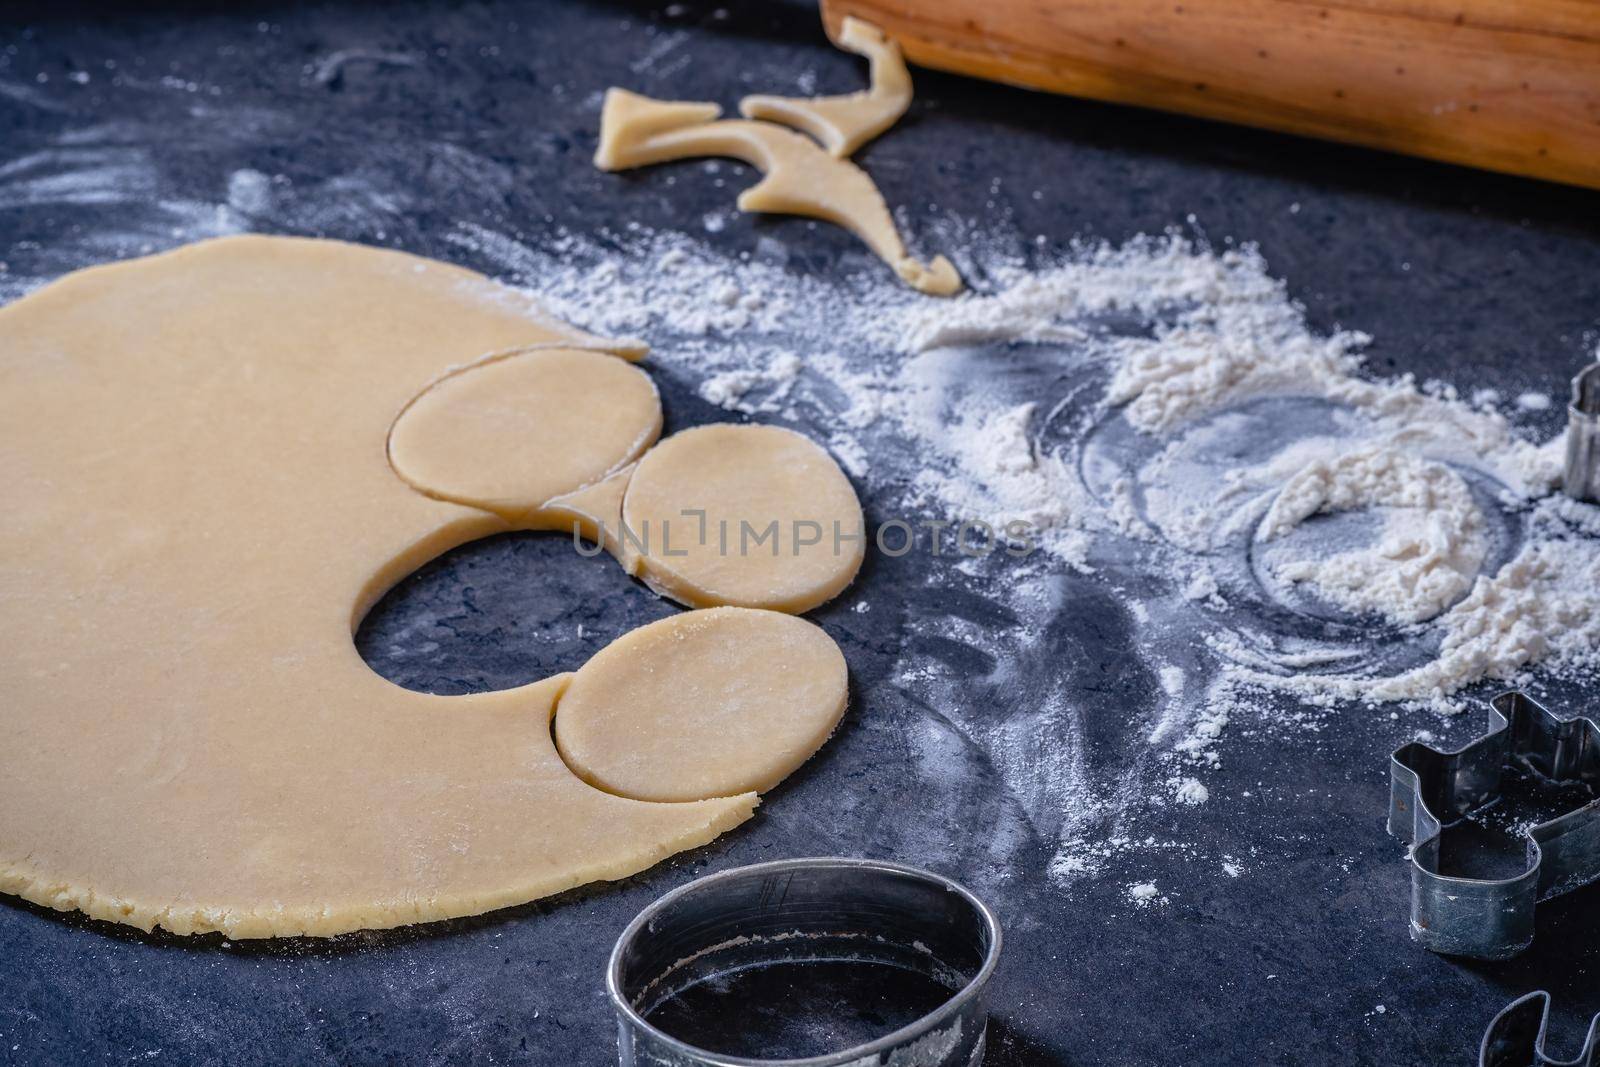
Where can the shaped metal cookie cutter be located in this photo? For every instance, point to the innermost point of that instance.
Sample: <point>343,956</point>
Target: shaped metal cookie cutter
<point>1431,790</point>
<point>1581,477</point>
<point>1516,1037</point>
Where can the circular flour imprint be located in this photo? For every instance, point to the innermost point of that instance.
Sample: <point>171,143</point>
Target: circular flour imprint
<point>1428,547</point>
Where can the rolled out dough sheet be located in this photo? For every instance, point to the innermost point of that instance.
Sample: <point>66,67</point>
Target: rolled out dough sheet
<point>200,509</point>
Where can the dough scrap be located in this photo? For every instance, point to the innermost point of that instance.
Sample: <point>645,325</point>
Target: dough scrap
<point>842,124</point>
<point>201,510</point>
<point>728,702</point>
<point>781,526</point>
<point>800,178</point>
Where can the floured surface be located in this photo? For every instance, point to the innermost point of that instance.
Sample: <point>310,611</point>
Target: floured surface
<point>204,511</point>
<point>1480,282</point>
<point>1202,464</point>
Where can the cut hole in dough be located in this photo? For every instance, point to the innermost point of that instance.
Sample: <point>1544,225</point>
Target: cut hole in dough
<point>755,516</point>
<point>800,178</point>
<point>707,704</point>
<point>842,124</point>
<point>511,433</point>
<point>501,612</point>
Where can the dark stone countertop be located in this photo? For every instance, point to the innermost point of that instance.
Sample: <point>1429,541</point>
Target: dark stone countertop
<point>1477,279</point>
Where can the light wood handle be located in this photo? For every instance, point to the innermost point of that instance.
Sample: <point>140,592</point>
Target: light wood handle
<point>1507,85</point>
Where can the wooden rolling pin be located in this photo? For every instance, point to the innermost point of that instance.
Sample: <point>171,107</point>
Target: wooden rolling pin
<point>1507,85</point>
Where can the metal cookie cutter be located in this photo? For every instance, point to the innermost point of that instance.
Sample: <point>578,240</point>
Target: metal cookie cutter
<point>1581,478</point>
<point>1430,790</point>
<point>809,911</point>
<point>1516,1037</point>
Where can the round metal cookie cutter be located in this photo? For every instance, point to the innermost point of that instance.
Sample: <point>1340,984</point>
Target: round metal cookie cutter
<point>803,911</point>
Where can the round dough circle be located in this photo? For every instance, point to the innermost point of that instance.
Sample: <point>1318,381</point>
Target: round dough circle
<point>751,482</point>
<point>707,704</point>
<point>513,433</point>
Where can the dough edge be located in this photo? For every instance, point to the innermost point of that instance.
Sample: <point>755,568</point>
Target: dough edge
<point>20,880</point>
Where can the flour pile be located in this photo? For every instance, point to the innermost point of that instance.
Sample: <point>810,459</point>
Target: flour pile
<point>1431,547</point>
<point>1250,429</point>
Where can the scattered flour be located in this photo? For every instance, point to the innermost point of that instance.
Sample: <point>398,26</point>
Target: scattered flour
<point>731,388</point>
<point>1225,335</point>
<point>1171,680</point>
<point>1534,401</point>
<point>1006,479</point>
<point>1544,605</point>
<point>1145,894</point>
<point>250,192</point>
<point>1203,586</point>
